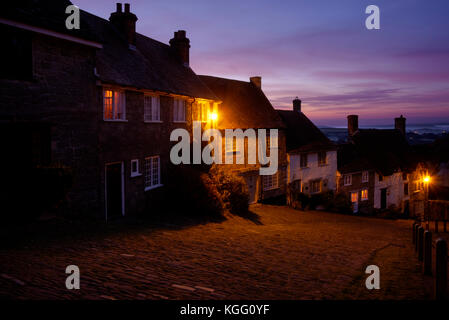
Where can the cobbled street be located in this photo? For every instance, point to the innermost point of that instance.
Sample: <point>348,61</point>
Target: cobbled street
<point>275,253</point>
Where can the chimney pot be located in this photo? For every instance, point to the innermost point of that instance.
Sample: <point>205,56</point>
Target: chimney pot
<point>181,45</point>
<point>125,22</point>
<point>353,124</point>
<point>399,124</point>
<point>257,81</point>
<point>297,105</point>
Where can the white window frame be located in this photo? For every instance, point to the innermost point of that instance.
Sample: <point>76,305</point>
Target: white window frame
<point>270,182</point>
<point>179,111</point>
<point>135,173</point>
<point>151,111</point>
<point>115,104</point>
<point>362,198</point>
<point>322,164</point>
<point>365,176</point>
<point>148,171</point>
<point>311,186</point>
<point>347,182</point>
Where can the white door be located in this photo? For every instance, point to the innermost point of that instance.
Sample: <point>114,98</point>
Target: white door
<point>251,182</point>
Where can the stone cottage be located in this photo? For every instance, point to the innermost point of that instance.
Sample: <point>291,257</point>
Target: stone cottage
<point>374,167</point>
<point>101,101</point>
<point>245,106</point>
<point>312,157</point>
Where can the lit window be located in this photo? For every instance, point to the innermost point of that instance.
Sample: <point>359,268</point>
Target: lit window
<point>205,108</point>
<point>179,111</point>
<point>152,172</point>
<point>347,179</point>
<point>365,176</point>
<point>270,182</point>
<point>322,159</point>
<point>315,186</point>
<point>364,194</point>
<point>354,196</point>
<point>303,160</point>
<point>151,109</point>
<point>114,105</point>
<point>135,168</point>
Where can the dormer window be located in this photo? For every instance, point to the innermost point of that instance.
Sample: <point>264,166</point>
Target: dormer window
<point>114,106</point>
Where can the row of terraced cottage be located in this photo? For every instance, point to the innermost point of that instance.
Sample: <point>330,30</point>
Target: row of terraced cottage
<point>103,100</point>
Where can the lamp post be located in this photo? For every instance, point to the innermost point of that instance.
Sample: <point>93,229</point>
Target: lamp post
<point>426,181</point>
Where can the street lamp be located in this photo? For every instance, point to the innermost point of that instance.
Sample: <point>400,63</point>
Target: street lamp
<point>426,180</point>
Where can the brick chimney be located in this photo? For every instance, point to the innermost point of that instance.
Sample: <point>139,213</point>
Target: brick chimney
<point>399,124</point>
<point>181,45</point>
<point>125,22</point>
<point>297,105</point>
<point>353,124</point>
<point>257,81</point>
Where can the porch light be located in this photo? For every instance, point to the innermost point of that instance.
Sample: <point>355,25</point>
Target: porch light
<point>213,116</point>
<point>426,179</point>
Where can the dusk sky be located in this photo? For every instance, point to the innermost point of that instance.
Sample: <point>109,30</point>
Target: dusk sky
<point>320,51</point>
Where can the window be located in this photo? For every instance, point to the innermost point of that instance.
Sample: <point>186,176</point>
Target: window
<point>204,111</point>
<point>365,176</point>
<point>232,144</point>
<point>303,160</point>
<point>270,182</point>
<point>179,110</point>
<point>347,179</point>
<point>152,172</point>
<point>406,189</point>
<point>17,61</point>
<point>404,176</point>
<point>381,177</point>
<point>354,197</point>
<point>135,168</point>
<point>151,109</point>
<point>315,186</point>
<point>364,194</point>
<point>113,105</point>
<point>322,161</point>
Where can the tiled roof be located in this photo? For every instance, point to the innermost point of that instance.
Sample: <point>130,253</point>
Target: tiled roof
<point>243,105</point>
<point>153,65</point>
<point>302,134</point>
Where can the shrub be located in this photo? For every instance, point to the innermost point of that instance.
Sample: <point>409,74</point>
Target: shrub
<point>194,191</point>
<point>232,189</point>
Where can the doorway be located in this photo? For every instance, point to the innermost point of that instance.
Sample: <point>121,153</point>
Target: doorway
<point>383,198</point>
<point>114,190</point>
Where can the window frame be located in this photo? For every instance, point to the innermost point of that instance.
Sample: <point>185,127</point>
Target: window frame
<point>350,180</point>
<point>320,158</point>
<point>136,173</point>
<point>122,98</point>
<point>362,198</point>
<point>312,184</point>
<point>176,105</point>
<point>273,182</point>
<point>365,176</point>
<point>154,111</point>
<point>148,173</point>
<point>301,162</point>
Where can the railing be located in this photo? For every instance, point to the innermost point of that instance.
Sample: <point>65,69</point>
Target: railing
<point>433,255</point>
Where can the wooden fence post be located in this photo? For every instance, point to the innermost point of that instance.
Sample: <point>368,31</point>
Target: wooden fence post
<point>420,243</point>
<point>427,265</point>
<point>416,237</point>
<point>414,233</point>
<point>441,270</point>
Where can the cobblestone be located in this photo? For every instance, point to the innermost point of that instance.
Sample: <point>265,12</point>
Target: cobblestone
<point>279,253</point>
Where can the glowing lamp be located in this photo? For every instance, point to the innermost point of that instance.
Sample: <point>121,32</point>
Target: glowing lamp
<point>213,116</point>
<point>426,179</point>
